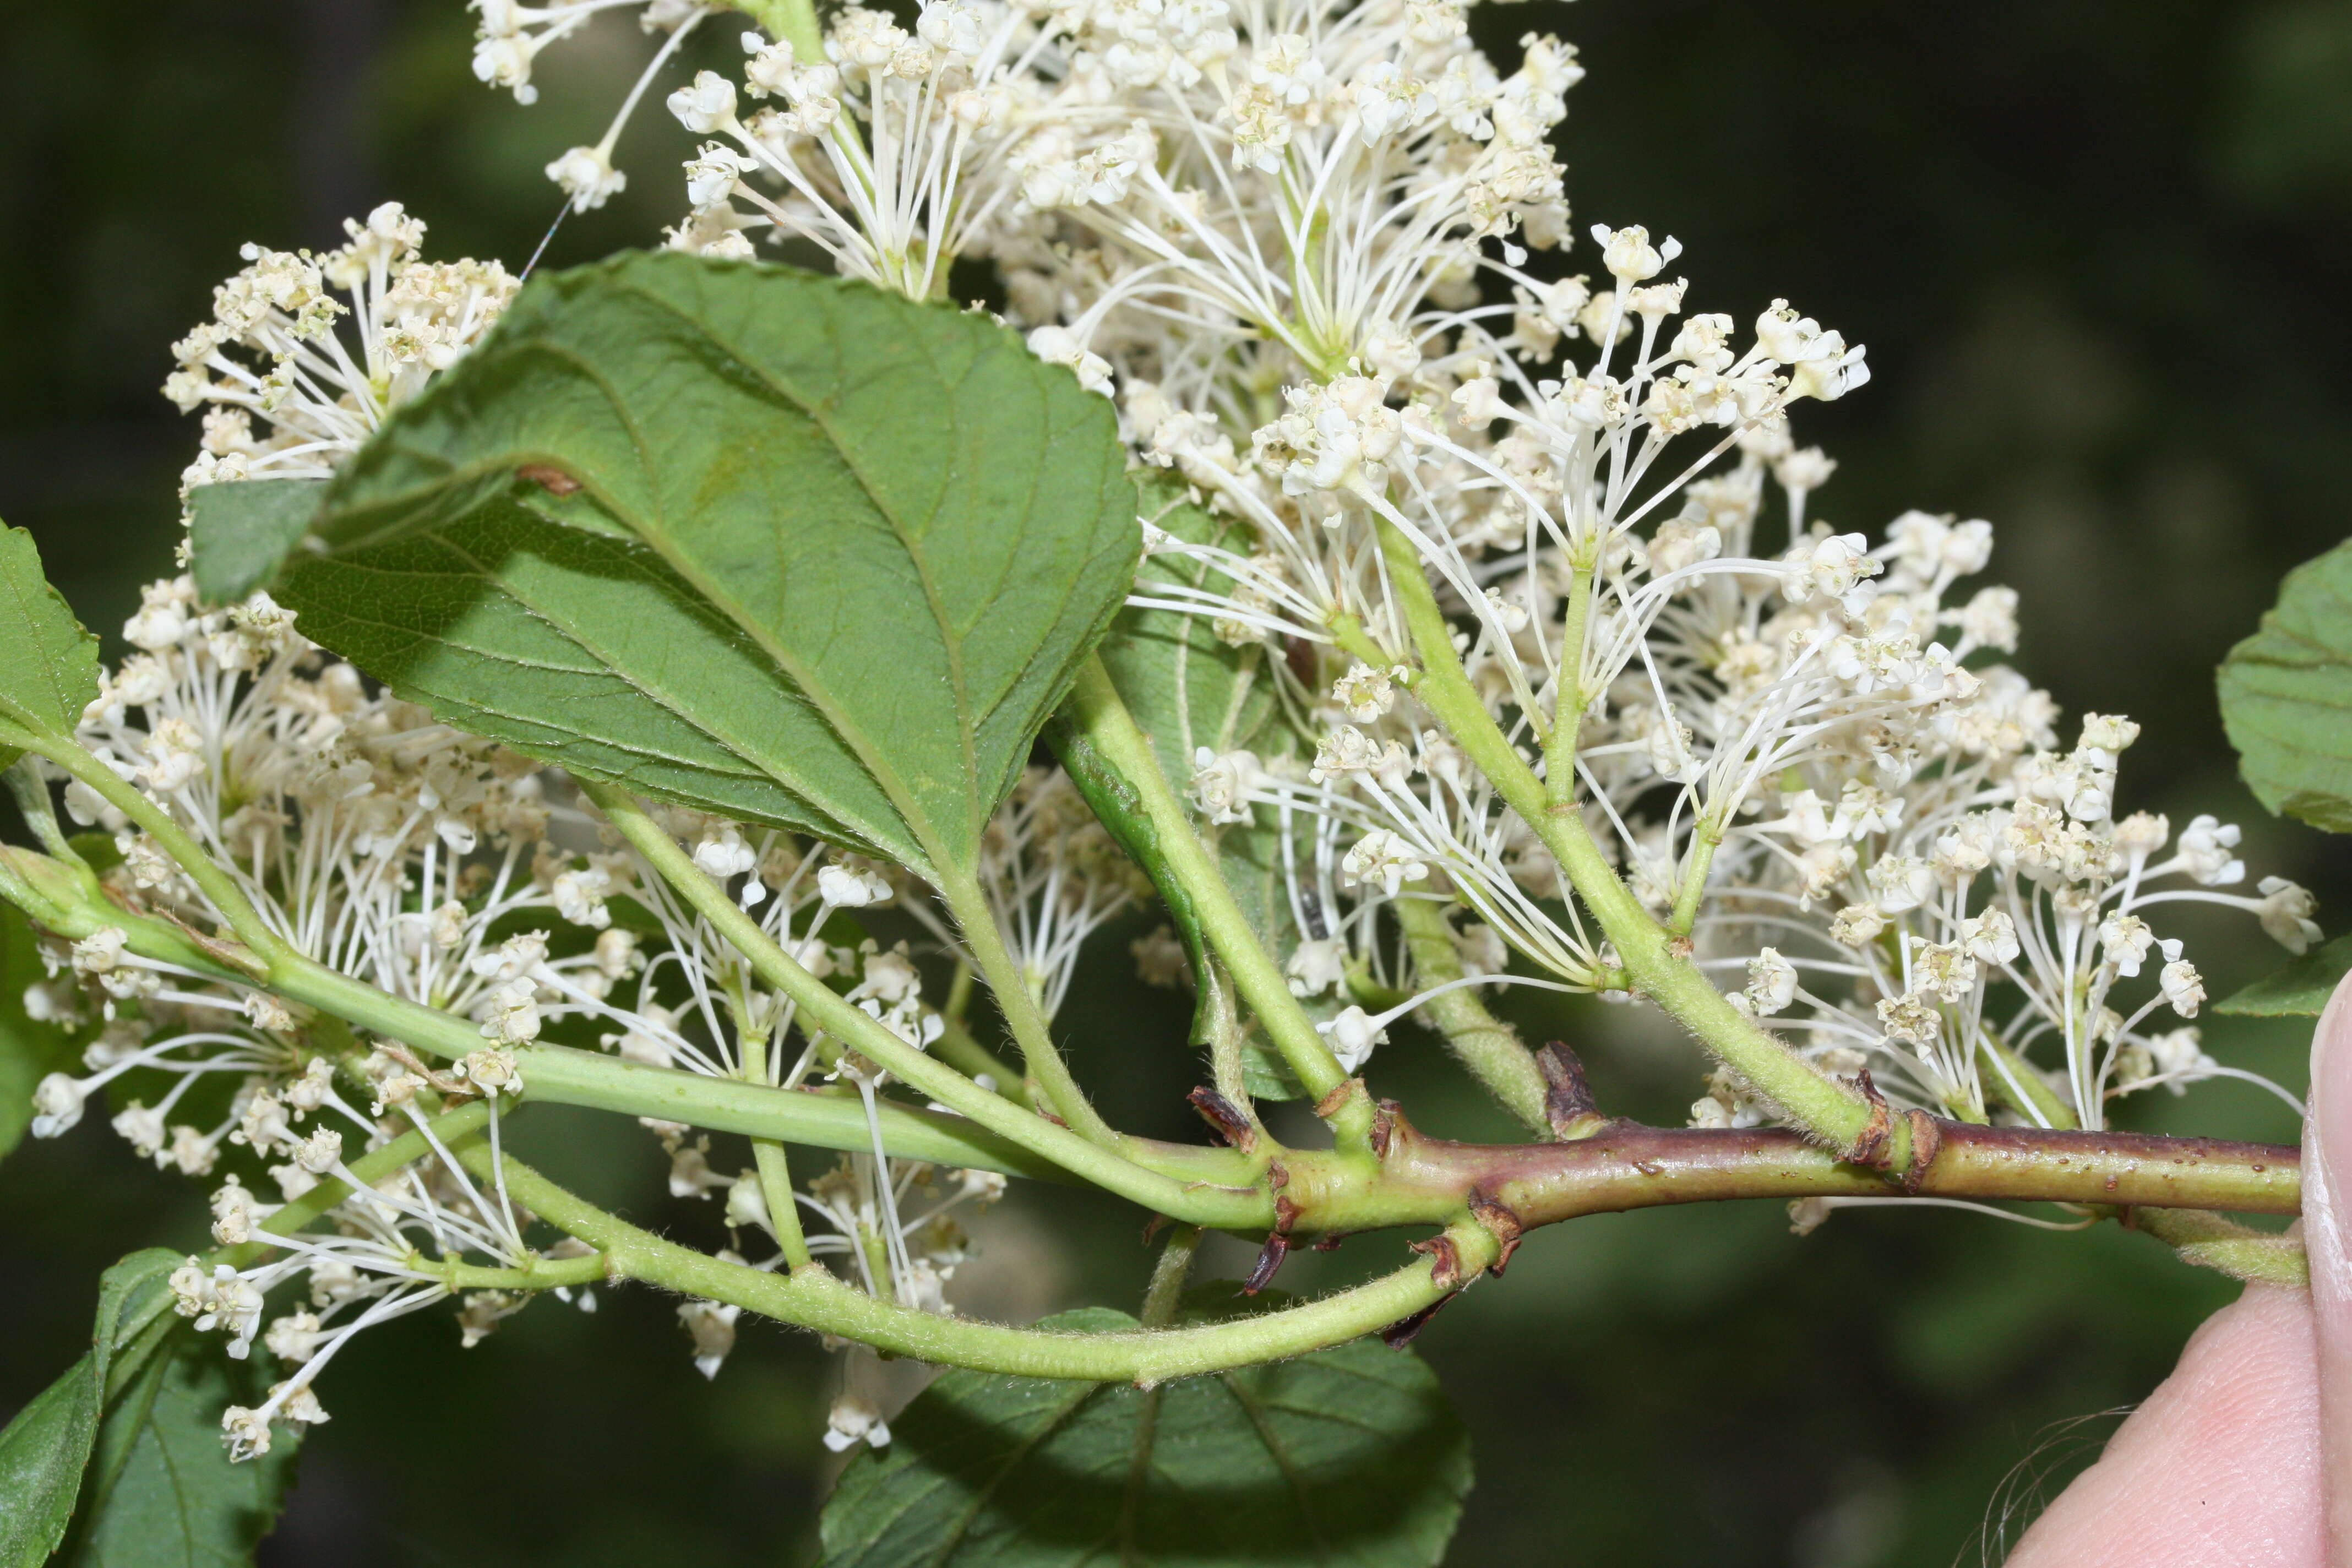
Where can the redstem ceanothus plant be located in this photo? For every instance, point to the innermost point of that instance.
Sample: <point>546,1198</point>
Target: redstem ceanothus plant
<point>631,644</point>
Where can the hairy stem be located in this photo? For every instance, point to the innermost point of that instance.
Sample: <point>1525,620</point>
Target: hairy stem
<point>960,1050</point>
<point>1018,1002</point>
<point>1624,1165</point>
<point>1832,1111</point>
<point>812,1298</point>
<point>1162,1297</point>
<point>1489,1047</point>
<point>1100,720</point>
<point>775,1170</point>
<point>214,883</point>
<point>1568,706</point>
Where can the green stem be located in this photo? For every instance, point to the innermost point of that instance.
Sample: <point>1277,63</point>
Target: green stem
<point>1100,719</point>
<point>1166,1292</point>
<point>811,1297</point>
<point>1017,1001</point>
<point>1483,1043</point>
<point>1348,632</point>
<point>822,1008</point>
<point>544,1274</point>
<point>1653,957</point>
<point>1705,837</point>
<point>775,1170</point>
<point>776,1191</point>
<point>2212,1241</point>
<point>1223,1024</point>
<point>1568,706</point>
<point>216,884</point>
<point>959,1050</point>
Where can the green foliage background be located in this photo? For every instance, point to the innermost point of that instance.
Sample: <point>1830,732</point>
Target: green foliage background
<point>2097,252</point>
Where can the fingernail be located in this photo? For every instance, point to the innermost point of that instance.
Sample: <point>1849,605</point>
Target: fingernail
<point>2328,1241</point>
<point>2330,1133</point>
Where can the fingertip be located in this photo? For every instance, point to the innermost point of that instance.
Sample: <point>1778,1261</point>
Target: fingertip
<point>2219,1469</point>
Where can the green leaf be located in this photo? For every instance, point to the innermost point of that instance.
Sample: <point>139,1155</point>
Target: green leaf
<point>164,1493</point>
<point>29,1051</point>
<point>42,1454</point>
<point>917,526</point>
<point>582,648</point>
<point>44,1450</point>
<point>49,665</point>
<point>1349,1456</point>
<point>2286,696</point>
<point>238,533</point>
<point>2300,990</point>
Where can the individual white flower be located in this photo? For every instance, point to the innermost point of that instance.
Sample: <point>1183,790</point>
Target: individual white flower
<point>1901,882</point>
<point>747,1204</point>
<point>297,1405</point>
<point>2124,942</point>
<point>849,889</point>
<point>1353,1037</point>
<point>175,756</point>
<point>141,1128</point>
<point>721,852</point>
<point>1221,783</point>
<point>56,1105</point>
<point>1628,254</point>
<point>1990,937</point>
<point>236,1212</point>
<point>2285,912</point>
<point>1315,966</point>
<point>1947,971</point>
<point>1771,982</point>
<point>852,1421</point>
<point>704,106</point>
<point>1911,1018</point>
<point>1857,923</point>
<point>1832,566</point>
<point>712,1328</point>
<point>1365,694</point>
<point>2204,849</point>
<point>1383,858</point>
<point>2182,986</point>
<point>712,175</point>
<point>509,1013</point>
<point>320,1152</point>
<point>246,1432</point>
<point>293,1338</point>
<point>579,896</point>
<point>101,950</point>
<point>1059,346</point>
<point>586,174</point>
<point>493,1071</point>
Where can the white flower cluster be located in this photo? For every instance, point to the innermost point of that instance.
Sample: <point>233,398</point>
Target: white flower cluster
<point>450,872</point>
<point>1291,243</point>
<point>273,352</point>
<point>385,1258</point>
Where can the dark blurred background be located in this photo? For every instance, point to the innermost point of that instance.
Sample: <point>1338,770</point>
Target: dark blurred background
<point>2098,252</point>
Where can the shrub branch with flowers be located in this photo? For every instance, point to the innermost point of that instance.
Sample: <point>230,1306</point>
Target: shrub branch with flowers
<point>573,684</point>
